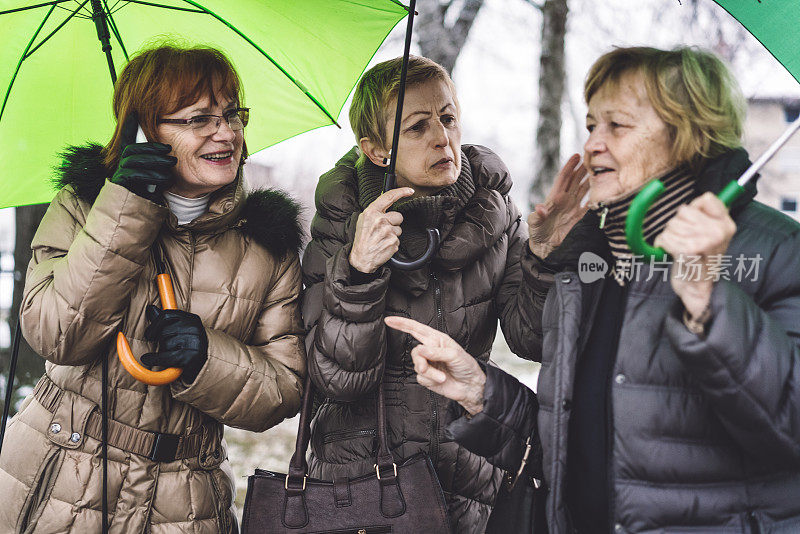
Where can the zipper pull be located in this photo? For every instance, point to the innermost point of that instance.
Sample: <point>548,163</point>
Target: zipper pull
<point>603,215</point>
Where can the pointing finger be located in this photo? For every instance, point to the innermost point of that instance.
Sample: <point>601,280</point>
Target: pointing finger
<point>421,332</point>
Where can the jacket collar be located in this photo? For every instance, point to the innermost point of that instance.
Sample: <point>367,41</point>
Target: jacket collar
<point>269,216</point>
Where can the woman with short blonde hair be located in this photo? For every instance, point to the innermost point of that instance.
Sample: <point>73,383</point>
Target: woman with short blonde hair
<point>473,281</point>
<point>668,398</point>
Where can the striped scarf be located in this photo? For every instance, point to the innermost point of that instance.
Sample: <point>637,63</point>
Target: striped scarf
<point>679,188</point>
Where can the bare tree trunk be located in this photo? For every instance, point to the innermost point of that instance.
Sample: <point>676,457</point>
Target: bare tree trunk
<point>438,41</point>
<point>551,91</point>
<point>30,366</point>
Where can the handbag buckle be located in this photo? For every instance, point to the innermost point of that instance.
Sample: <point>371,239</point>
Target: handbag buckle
<point>378,470</point>
<point>286,483</point>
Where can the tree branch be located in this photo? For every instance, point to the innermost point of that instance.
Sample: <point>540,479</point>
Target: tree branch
<point>535,4</point>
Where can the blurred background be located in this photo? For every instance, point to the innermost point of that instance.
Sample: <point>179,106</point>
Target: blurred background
<point>519,67</point>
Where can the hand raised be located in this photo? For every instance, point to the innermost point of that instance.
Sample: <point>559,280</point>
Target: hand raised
<point>378,232</point>
<point>551,221</point>
<point>442,365</point>
<point>143,164</point>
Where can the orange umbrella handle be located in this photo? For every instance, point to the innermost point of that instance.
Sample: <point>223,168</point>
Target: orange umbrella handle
<point>128,360</point>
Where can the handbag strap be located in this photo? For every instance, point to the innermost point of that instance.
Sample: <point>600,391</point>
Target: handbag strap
<point>298,467</point>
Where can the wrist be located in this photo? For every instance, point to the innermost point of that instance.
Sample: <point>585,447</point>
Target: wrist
<point>696,302</point>
<point>473,400</point>
<point>541,250</point>
<point>358,266</point>
<point>697,323</point>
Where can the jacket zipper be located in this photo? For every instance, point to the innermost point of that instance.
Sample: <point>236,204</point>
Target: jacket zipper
<point>192,242</point>
<point>222,519</point>
<point>612,520</point>
<point>437,298</point>
<point>347,434</point>
<point>385,529</point>
<point>602,214</point>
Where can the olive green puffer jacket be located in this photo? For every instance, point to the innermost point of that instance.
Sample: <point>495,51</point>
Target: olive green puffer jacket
<point>473,280</point>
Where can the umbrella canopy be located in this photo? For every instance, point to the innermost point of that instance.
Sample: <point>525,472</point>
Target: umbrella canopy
<point>775,24</point>
<point>298,61</point>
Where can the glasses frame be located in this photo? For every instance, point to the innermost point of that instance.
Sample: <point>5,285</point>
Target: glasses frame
<point>187,122</point>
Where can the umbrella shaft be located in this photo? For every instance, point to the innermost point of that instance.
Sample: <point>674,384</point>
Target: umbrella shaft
<point>766,156</point>
<point>400,96</point>
<point>101,25</point>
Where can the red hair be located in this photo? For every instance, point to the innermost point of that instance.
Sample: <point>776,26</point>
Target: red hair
<point>163,80</point>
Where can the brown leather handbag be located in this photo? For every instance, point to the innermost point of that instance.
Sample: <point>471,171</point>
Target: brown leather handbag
<point>397,498</point>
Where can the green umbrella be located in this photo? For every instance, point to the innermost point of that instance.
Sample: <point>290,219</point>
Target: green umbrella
<point>775,24</point>
<point>298,60</point>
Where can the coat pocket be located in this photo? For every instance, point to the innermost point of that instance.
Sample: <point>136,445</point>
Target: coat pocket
<point>40,490</point>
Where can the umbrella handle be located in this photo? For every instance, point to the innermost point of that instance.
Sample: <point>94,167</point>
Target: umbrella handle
<point>433,243</point>
<point>638,210</point>
<point>128,360</point>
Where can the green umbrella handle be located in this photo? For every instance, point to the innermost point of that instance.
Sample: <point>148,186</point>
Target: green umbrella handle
<point>731,192</point>
<point>638,210</point>
<point>633,222</point>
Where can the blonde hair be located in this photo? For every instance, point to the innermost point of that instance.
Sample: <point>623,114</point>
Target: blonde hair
<point>691,90</point>
<point>369,111</point>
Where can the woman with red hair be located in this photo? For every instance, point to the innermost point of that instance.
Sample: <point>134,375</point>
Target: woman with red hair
<point>176,201</point>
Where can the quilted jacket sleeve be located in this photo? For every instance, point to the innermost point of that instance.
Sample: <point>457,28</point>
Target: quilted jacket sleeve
<point>748,364</point>
<point>84,267</point>
<point>346,337</point>
<point>520,298</point>
<point>256,385</point>
<point>505,426</point>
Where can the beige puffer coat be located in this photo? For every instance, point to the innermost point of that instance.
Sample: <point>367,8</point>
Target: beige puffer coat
<point>91,275</point>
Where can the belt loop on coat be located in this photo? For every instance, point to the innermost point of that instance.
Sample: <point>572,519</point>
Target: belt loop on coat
<point>156,446</point>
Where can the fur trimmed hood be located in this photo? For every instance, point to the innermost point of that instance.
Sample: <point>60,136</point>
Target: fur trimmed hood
<point>271,217</point>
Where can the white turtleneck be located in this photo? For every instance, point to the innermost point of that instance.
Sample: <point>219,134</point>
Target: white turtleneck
<point>186,209</point>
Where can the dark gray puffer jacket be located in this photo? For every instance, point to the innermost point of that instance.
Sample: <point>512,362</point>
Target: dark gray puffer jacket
<point>706,432</point>
<point>473,280</point>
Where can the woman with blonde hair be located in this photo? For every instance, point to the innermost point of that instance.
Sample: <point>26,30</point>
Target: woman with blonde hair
<point>473,280</point>
<point>668,398</point>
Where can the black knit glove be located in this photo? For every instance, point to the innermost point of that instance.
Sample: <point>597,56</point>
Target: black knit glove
<point>143,164</point>
<point>181,339</point>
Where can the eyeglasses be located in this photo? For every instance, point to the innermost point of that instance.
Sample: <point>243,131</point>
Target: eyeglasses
<point>208,124</point>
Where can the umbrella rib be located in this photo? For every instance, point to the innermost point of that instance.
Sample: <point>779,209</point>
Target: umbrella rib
<point>297,83</point>
<point>87,15</point>
<point>23,56</point>
<point>115,31</point>
<point>33,7</point>
<point>52,33</point>
<point>153,4</point>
